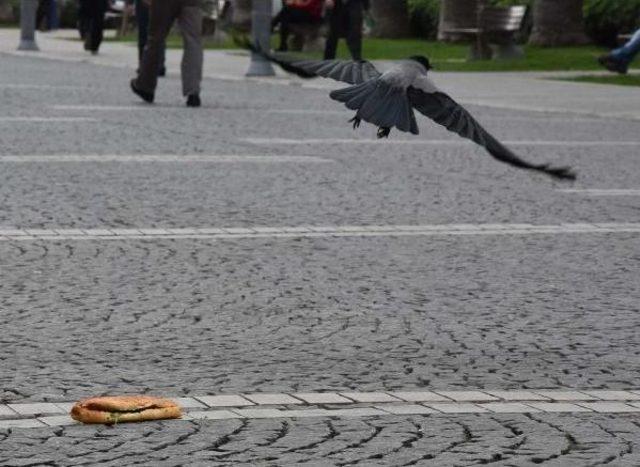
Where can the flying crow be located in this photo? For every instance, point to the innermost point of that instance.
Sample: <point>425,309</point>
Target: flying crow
<point>387,100</point>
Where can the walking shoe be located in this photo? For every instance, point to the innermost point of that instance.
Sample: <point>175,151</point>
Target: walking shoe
<point>193,100</point>
<point>613,64</point>
<point>144,95</point>
<point>162,72</point>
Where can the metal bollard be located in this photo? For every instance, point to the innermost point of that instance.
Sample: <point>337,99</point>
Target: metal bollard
<point>261,34</point>
<point>28,10</point>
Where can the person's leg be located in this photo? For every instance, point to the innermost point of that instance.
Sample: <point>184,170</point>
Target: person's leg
<point>90,34</point>
<point>284,18</point>
<point>161,16</point>
<point>142,19</point>
<point>277,19</point>
<point>190,21</point>
<point>627,52</point>
<point>83,26</point>
<point>41,12</point>
<point>331,46</point>
<point>354,29</point>
<point>97,25</point>
<point>288,17</point>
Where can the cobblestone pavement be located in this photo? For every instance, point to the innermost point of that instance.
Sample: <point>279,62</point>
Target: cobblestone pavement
<point>193,316</point>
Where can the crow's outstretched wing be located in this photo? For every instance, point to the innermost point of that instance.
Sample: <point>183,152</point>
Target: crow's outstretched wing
<point>444,110</point>
<point>339,70</point>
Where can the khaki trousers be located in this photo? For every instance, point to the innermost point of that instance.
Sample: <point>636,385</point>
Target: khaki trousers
<point>162,15</point>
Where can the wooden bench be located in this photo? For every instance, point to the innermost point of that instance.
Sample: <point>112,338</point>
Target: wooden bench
<point>486,25</point>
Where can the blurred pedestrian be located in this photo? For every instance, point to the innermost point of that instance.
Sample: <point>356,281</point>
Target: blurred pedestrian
<point>162,14</point>
<point>91,23</point>
<point>140,8</point>
<point>44,13</point>
<point>296,12</point>
<point>345,20</point>
<point>618,60</point>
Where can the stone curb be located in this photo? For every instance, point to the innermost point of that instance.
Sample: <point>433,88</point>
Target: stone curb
<point>355,404</point>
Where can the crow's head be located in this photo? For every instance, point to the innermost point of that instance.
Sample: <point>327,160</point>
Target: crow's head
<point>422,60</point>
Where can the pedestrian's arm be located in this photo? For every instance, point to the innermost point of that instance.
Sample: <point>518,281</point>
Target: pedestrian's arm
<point>329,4</point>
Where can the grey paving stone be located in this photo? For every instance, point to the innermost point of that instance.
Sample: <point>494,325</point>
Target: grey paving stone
<point>65,406</point>
<point>457,407</point>
<point>40,232</point>
<point>36,408</point>
<point>99,232</point>
<point>420,396</point>
<point>6,412</point>
<point>188,403</point>
<point>24,423</point>
<point>406,409</point>
<point>517,395</point>
<point>370,397</point>
<point>213,415</point>
<point>557,407</point>
<point>613,395</point>
<point>468,396</point>
<point>58,420</point>
<point>12,232</point>
<point>272,399</point>
<point>356,412</point>
<point>259,413</point>
<point>610,407</point>
<point>565,395</point>
<point>305,413</point>
<point>507,407</point>
<point>238,230</point>
<point>225,400</point>
<point>211,231</point>
<point>322,398</point>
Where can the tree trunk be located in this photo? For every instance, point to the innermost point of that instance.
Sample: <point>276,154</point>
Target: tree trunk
<point>557,23</point>
<point>391,18</point>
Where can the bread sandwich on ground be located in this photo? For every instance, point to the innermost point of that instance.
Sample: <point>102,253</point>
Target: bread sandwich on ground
<point>118,409</point>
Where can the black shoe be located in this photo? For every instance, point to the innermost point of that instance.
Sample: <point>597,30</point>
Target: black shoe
<point>144,95</point>
<point>193,100</point>
<point>613,64</point>
<point>162,72</point>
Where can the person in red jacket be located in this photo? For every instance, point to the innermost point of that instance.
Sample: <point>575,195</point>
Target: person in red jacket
<point>296,12</point>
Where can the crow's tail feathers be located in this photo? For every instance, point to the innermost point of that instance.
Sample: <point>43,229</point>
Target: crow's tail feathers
<point>244,42</point>
<point>561,173</point>
<point>502,153</point>
<point>380,104</point>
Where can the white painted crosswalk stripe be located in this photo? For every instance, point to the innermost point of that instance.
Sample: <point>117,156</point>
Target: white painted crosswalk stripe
<point>212,159</point>
<point>601,191</point>
<point>432,142</point>
<point>47,120</point>
<point>106,233</point>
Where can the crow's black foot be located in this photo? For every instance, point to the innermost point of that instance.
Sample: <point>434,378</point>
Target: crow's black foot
<point>383,132</point>
<point>356,122</point>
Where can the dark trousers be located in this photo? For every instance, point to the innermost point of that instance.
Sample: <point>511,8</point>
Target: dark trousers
<point>162,15</point>
<point>345,20</point>
<point>43,11</point>
<point>286,18</point>
<point>142,18</point>
<point>91,22</point>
